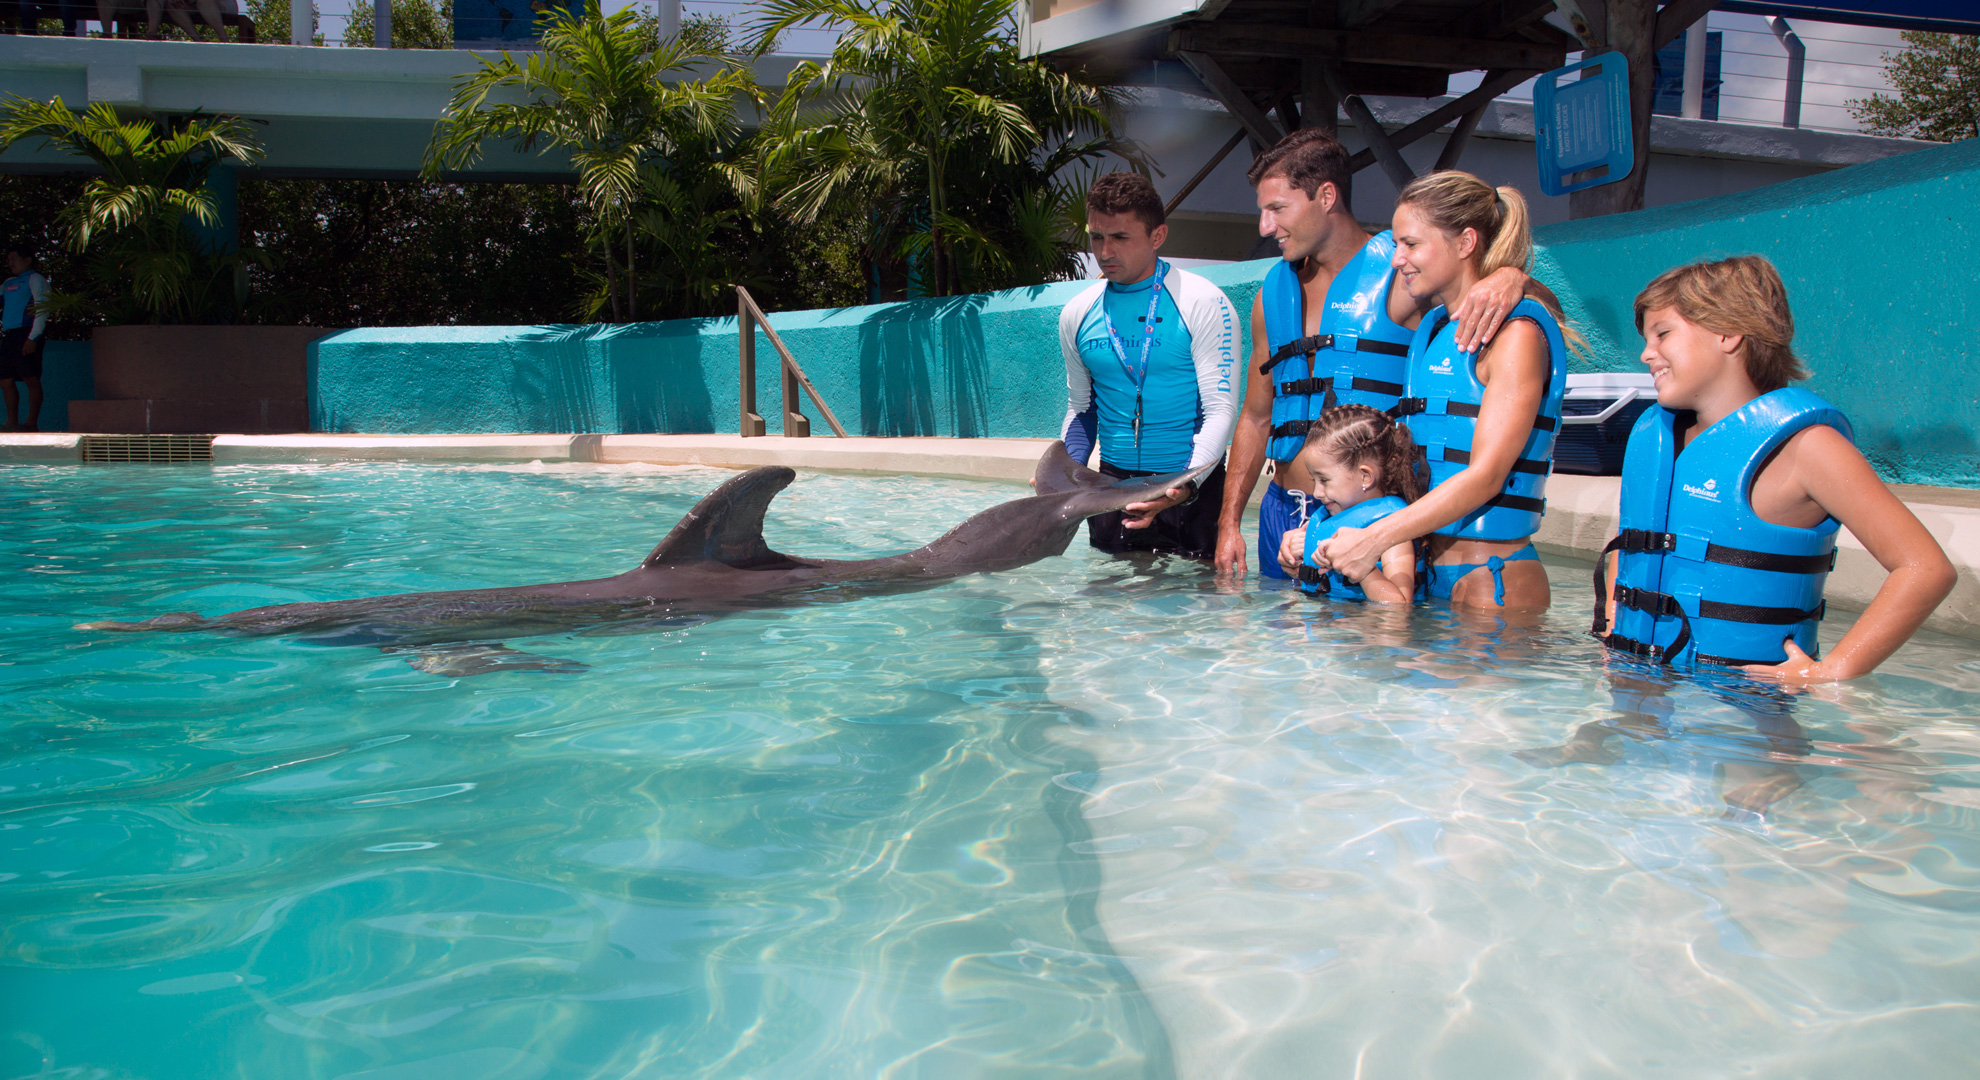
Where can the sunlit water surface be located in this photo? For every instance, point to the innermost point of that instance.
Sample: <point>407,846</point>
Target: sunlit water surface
<point>1089,818</point>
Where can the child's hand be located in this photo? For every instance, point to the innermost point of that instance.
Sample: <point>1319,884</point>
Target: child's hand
<point>1292,550</point>
<point>1799,669</point>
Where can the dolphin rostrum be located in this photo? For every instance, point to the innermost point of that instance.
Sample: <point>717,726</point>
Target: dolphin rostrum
<point>712,563</point>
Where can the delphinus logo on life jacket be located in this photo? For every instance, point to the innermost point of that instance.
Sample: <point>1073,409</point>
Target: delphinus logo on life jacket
<point>1356,306</point>
<point>1441,367</point>
<point>1710,492</point>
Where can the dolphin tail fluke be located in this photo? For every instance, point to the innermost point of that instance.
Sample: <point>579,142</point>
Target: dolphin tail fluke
<point>727,526</point>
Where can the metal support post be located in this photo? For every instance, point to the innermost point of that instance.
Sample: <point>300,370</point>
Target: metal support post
<point>1693,107</point>
<point>302,22</point>
<point>1797,58</point>
<point>381,24</point>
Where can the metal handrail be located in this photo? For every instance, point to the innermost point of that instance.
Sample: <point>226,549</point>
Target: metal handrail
<point>796,425</point>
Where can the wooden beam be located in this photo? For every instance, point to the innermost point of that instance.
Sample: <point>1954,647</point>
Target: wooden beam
<point>1203,173</point>
<point>1496,83</point>
<point>1226,90</point>
<point>1318,107</point>
<point>1371,129</point>
<point>1288,110</point>
<point>1461,134</point>
<point>1494,18</point>
<point>1676,18</point>
<point>1362,12</point>
<point>1401,50</point>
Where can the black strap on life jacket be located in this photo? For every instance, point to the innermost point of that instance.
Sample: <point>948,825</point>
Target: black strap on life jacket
<point>1518,502</point>
<point>1523,465</point>
<point>1292,427</point>
<point>1642,541</point>
<point>1313,343</point>
<point>1317,578</point>
<point>1410,406</point>
<point>1301,387</point>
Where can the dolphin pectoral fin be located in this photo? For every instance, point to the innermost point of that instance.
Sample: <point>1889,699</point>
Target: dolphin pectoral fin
<point>178,620</point>
<point>479,658</point>
<point>727,526</point>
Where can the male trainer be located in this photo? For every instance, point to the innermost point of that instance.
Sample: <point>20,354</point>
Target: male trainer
<point>23,323</point>
<point>1149,353</point>
<point>1331,325</point>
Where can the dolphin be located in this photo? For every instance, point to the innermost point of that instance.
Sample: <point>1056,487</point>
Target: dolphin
<point>713,563</point>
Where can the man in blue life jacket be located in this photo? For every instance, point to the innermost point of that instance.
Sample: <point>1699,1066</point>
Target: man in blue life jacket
<point>1331,326</point>
<point>23,323</point>
<point>1150,356</point>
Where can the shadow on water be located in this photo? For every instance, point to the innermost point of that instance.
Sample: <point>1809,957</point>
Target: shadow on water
<point>923,369</point>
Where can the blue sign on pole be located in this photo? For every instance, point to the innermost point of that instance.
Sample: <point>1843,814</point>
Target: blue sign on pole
<point>503,24</point>
<point>1581,129</point>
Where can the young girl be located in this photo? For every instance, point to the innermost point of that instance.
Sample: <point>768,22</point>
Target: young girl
<point>1364,469</point>
<point>1733,490</point>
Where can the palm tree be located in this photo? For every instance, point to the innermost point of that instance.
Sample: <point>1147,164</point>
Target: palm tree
<point>599,90</point>
<point>131,220</point>
<point>929,110</point>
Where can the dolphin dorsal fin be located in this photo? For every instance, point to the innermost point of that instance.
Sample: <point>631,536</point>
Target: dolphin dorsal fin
<point>727,526</point>
<point>1057,472</point>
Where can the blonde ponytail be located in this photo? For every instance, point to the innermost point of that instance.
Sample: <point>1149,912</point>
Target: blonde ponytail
<point>1512,243</point>
<point>1453,201</point>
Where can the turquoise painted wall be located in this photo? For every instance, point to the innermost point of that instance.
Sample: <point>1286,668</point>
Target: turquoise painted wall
<point>976,366</point>
<point>1876,257</point>
<point>1879,265</point>
<point>66,376</point>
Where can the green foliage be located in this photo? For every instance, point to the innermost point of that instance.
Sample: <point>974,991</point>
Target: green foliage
<point>964,152</point>
<point>599,90</point>
<point>1938,85</point>
<point>271,22</point>
<point>416,24</point>
<point>413,253</point>
<point>142,261</point>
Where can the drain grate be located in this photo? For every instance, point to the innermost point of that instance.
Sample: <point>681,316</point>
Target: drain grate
<point>156,449</point>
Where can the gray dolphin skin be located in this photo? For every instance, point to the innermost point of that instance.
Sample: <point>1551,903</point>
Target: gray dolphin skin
<point>713,563</point>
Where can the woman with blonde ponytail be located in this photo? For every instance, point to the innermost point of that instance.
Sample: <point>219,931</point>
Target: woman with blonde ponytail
<point>1485,420</point>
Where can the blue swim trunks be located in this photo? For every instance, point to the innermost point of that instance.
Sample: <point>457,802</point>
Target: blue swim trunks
<point>1279,511</point>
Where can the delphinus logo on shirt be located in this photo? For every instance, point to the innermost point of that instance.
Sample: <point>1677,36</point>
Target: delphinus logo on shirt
<point>1710,492</point>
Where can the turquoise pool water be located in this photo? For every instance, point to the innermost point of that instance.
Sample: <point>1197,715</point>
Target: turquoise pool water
<point>1088,818</point>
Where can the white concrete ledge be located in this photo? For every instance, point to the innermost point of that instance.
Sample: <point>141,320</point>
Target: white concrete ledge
<point>31,446</point>
<point>1582,516</point>
<point>971,459</point>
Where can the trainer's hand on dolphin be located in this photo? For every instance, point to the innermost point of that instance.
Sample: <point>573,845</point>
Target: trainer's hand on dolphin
<point>1292,551</point>
<point>1140,515</point>
<point>1351,552</point>
<point>1483,309</point>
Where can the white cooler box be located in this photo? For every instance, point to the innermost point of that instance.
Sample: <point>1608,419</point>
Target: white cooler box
<point>1596,416</point>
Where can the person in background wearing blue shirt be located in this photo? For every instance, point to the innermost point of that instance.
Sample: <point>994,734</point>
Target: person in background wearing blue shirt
<point>1150,356</point>
<point>21,297</point>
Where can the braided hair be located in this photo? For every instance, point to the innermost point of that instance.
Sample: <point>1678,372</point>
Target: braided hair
<point>1360,435</point>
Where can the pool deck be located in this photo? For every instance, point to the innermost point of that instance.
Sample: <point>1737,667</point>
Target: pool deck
<point>1581,509</point>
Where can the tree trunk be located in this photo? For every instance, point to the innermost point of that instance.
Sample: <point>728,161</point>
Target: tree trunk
<point>611,278</point>
<point>632,279</point>
<point>1631,30</point>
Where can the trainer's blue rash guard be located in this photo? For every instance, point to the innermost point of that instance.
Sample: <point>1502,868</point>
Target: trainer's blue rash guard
<point>16,293</point>
<point>1171,413</point>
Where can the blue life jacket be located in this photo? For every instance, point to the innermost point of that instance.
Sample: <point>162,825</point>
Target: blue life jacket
<point>1358,355</point>
<point>1700,577</point>
<point>1318,582</point>
<point>1442,410</point>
